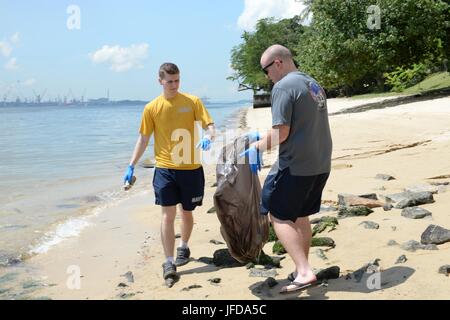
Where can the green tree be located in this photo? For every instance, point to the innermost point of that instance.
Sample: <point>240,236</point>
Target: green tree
<point>341,51</point>
<point>245,57</point>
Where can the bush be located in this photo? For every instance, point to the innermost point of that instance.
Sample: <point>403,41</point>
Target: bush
<point>403,78</point>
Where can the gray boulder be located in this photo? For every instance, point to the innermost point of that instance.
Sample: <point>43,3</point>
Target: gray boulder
<point>422,188</point>
<point>370,225</point>
<point>401,259</point>
<point>410,199</point>
<point>415,213</point>
<point>445,269</point>
<point>435,235</point>
<point>413,245</point>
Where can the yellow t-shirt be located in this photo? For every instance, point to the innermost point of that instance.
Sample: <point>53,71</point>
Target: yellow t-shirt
<point>173,122</point>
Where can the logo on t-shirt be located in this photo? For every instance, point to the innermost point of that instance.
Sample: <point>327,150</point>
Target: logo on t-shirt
<point>184,109</point>
<point>318,95</point>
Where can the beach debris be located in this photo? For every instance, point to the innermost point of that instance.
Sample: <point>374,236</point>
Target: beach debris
<point>122,285</point>
<point>354,211</point>
<point>223,258</point>
<point>211,210</point>
<point>129,276</point>
<point>350,200</point>
<point>321,254</point>
<point>263,273</point>
<point>215,242</point>
<point>444,176</point>
<point>323,223</point>
<point>388,207</point>
<point>385,177</point>
<point>126,295</point>
<point>410,199</point>
<point>401,259</point>
<point>445,269</point>
<point>435,235</point>
<point>328,273</point>
<point>127,186</point>
<point>440,183</point>
<point>413,245</point>
<point>370,225</point>
<point>215,280</point>
<point>392,243</point>
<point>415,213</point>
<point>193,286</point>
<point>322,242</point>
<point>393,228</point>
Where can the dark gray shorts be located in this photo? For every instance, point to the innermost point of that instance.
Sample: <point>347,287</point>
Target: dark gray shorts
<point>289,197</point>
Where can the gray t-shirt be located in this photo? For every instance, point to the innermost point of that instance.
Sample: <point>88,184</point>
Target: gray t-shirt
<point>298,101</point>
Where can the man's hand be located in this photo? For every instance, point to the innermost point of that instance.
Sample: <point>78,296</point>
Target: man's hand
<point>129,175</point>
<point>254,157</point>
<point>205,144</point>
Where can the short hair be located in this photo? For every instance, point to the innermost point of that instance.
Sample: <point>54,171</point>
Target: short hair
<point>168,68</point>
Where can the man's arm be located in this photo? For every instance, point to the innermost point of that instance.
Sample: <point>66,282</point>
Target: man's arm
<point>139,149</point>
<point>276,136</point>
<point>211,131</point>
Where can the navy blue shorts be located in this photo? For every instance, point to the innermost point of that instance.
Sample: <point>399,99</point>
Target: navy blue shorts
<point>179,186</point>
<point>289,197</point>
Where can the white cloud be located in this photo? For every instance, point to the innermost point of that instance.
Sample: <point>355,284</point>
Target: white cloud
<point>5,49</point>
<point>11,64</point>
<point>121,59</point>
<point>29,82</point>
<point>15,38</point>
<point>259,9</point>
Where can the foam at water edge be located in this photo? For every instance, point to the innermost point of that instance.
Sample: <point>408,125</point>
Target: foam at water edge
<point>71,228</point>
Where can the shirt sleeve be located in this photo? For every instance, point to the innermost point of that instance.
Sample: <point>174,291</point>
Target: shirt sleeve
<point>147,125</point>
<point>202,114</point>
<point>282,107</point>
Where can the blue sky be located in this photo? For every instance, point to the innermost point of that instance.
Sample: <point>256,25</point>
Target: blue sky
<point>120,45</point>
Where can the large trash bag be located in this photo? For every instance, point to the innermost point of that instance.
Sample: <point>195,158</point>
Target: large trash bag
<point>237,201</point>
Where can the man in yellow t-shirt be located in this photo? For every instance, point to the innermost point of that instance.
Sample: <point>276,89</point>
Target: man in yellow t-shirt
<point>178,176</point>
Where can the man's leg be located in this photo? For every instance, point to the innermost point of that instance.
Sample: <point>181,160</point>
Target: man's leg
<point>187,224</point>
<point>303,228</point>
<point>168,230</point>
<point>293,242</point>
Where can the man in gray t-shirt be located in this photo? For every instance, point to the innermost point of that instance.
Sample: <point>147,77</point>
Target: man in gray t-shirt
<point>293,189</point>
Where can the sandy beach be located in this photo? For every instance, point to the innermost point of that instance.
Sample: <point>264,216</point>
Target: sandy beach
<point>410,142</point>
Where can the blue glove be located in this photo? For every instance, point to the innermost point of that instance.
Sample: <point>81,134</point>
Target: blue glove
<point>129,174</point>
<point>253,136</point>
<point>205,144</point>
<point>254,157</point>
